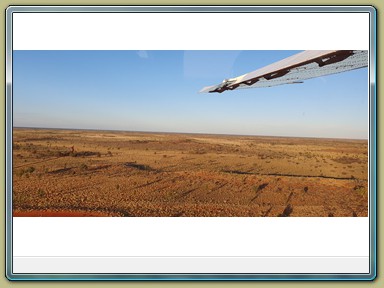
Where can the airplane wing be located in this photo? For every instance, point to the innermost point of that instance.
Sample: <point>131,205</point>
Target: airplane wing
<point>295,69</point>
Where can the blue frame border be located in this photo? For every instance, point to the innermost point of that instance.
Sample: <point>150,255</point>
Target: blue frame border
<point>198,9</point>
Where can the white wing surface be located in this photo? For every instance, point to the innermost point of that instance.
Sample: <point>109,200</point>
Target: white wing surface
<point>295,69</point>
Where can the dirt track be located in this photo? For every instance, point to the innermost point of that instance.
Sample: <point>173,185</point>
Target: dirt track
<point>148,174</point>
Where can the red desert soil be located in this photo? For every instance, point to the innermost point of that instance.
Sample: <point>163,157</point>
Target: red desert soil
<point>105,173</point>
<point>61,213</point>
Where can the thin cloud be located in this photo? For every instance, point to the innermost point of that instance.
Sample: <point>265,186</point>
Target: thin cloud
<point>143,54</point>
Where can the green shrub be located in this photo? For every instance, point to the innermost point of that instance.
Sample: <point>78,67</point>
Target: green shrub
<point>40,192</point>
<point>30,169</point>
<point>83,166</point>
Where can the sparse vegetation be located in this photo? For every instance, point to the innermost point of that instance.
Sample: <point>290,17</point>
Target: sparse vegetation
<point>287,211</point>
<point>261,187</point>
<point>29,169</point>
<point>165,175</point>
<point>40,193</point>
<point>360,189</point>
<point>138,166</point>
<point>83,166</point>
<point>25,171</point>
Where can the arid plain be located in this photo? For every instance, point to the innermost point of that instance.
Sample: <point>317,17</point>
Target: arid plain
<point>113,173</point>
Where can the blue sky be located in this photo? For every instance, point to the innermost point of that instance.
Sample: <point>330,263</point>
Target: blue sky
<point>158,91</point>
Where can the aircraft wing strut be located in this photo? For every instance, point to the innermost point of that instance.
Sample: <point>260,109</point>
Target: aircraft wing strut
<point>295,69</point>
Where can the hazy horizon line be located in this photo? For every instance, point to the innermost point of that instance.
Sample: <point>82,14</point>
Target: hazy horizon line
<point>193,133</point>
